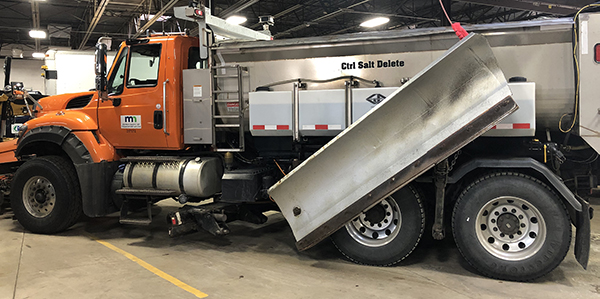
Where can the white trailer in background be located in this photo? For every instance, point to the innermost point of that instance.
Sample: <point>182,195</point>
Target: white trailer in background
<point>68,66</point>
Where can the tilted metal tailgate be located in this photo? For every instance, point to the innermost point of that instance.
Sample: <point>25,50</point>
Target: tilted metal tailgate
<point>445,106</point>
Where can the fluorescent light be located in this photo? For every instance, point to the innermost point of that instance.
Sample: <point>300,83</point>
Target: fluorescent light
<point>38,55</point>
<point>236,20</point>
<point>375,22</point>
<point>37,33</point>
<point>146,17</point>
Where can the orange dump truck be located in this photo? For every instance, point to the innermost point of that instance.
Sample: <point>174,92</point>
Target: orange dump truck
<point>365,137</point>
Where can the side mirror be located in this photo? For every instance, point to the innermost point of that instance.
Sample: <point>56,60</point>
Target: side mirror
<point>101,69</point>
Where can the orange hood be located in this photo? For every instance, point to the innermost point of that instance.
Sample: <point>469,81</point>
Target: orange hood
<point>59,102</point>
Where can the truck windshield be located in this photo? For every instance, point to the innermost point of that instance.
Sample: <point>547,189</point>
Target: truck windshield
<point>115,82</point>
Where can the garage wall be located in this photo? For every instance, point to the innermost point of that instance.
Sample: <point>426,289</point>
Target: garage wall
<point>27,71</point>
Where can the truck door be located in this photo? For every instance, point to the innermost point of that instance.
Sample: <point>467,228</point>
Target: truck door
<point>132,118</point>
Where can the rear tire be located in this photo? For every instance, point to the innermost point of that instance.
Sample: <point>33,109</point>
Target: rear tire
<point>387,233</point>
<point>45,195</point>
<point>511,226</point>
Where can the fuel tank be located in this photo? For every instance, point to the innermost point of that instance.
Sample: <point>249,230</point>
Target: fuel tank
<point>199,177</point>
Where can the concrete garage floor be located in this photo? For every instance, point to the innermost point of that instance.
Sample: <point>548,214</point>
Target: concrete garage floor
<point>254,261</point>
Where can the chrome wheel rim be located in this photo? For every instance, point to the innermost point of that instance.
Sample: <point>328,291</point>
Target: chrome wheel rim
<point>510,228</point>
<point>378,226</point>
<point>39,196</point>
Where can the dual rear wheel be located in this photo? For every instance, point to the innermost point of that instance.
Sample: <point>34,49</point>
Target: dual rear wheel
<point>511,226</point>
<point>385,234</point>
<point>506,225</point>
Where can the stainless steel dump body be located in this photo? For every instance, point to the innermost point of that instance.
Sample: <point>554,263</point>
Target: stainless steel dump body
<point>448,104</point>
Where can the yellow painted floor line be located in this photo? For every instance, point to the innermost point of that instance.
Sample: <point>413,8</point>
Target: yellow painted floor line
<point>152,269</point>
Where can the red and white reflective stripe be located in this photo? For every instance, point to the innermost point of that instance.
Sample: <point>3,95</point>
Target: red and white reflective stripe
<point>270,127</point>
<point>511,126</point>
<point>321,127</point>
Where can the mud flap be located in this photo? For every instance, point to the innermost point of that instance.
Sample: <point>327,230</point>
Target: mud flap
<point>454,100</point>
<point>582,236</point>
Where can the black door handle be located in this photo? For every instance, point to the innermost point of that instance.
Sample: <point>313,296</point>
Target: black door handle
<point>158,119</point>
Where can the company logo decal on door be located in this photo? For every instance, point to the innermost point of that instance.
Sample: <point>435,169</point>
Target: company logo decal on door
<point>131,121</point>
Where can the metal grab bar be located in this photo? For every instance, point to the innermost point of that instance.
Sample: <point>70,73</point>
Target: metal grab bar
<point>164,105</point>
<point>377,83</point>
<point>296,113</point>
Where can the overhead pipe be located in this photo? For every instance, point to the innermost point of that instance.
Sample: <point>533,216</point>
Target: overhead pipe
<point>97,15</point>
<point>321,18</point>
<point>531,5</point>
<point>283,13</point>
<point>35,12</point>
<point>237,7</point>
<point>159,14</point>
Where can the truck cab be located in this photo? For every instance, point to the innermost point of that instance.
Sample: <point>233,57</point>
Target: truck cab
<point>140,110</point>
<point>143,107</point>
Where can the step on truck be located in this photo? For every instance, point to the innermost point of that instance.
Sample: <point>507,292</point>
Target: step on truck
<point>373,139</point>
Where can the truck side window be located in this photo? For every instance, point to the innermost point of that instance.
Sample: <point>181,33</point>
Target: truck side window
<point>194,58</point>
<point>115,82</point>
<point>143,66</point>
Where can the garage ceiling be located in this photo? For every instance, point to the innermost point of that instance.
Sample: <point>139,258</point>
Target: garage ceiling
<point>78,24</point>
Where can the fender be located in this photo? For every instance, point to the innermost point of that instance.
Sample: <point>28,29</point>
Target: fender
<point>579,209</point>
<point>58,135</point>
<point>73,120</point>
<point>95,167</point>
<point>522,163</point>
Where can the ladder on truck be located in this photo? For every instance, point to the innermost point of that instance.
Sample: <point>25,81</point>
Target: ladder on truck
<point>223,122</point>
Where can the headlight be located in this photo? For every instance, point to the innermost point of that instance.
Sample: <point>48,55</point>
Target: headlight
<point>22,130</point>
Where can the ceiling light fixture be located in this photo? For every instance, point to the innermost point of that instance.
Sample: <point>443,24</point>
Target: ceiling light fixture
<point>236,20</point>
<point>34,33</point>
<point>374,22</point>
<point>38,55</point>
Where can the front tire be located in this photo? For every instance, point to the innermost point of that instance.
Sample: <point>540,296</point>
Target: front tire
<point>45,195</point>
<point>387,233</point>
<point>511,226</point>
